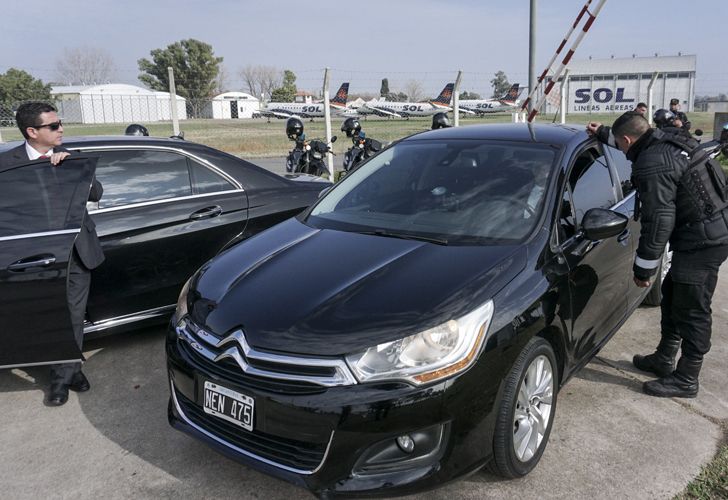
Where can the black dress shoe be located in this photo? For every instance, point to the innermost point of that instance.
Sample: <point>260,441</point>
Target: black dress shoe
<point>653,364</point>
<point>671,387</point>
<point>79,383</point>
<point>58,394</point>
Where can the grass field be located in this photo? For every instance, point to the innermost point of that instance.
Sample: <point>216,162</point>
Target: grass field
<point>258,138</point>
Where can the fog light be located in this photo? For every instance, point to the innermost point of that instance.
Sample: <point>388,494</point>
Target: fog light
<point>405,443</point>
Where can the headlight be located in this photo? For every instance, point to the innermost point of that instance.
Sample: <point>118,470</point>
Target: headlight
<point>181,310</point>
<point>434,354</point>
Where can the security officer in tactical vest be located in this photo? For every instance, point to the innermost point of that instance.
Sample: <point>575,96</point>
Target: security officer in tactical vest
<point>682,200</point>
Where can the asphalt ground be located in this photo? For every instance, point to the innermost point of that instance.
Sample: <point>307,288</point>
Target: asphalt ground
<point>609,440</point>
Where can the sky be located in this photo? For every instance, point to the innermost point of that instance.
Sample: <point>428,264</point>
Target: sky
<point>365,41</point>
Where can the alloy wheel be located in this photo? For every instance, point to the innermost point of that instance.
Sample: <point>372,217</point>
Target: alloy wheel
<point>533,408</point>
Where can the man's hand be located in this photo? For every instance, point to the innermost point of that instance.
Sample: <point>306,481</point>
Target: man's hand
<point>640,283</point>
<point>57,158</point>
<point>592,127</point>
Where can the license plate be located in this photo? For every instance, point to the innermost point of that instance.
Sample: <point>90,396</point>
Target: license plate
<point>229,405</point>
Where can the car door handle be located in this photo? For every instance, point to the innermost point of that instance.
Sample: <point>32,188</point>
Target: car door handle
<point>206,213</point>
<point>35,261</point>
<point>624,236</point>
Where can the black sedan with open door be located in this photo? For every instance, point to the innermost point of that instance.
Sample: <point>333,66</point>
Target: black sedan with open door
<point>419,320</point>
<point>169,205</point>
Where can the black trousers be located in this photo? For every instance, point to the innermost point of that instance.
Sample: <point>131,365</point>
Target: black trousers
<point>79,282</point>
<point>687,292</point>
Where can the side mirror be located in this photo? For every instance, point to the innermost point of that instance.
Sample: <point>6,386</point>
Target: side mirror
<point>600,224</point>
<point>333,139</point>
<point>699,132</point>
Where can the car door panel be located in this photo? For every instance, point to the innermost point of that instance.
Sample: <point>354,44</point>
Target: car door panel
<point>41,212</point>
<point>153,246</point>
<point>598,271</point>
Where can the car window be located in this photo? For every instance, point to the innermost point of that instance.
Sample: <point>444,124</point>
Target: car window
<point>624,170</point>
<point>590,186</point>
<point>136,176</point>
<point>204,180</point>
<point>36,198</point>
<point>464,191</point>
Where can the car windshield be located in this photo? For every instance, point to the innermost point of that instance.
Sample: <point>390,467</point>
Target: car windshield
<point>448,192</point>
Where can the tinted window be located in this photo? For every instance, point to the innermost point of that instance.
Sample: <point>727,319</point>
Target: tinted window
<point>36,198</point>
<point>591,183</point>
<point>204,180</point>
<point>624,170</point>
<point>131,176</point>
<point>464,191</point>
<point>591,187</point>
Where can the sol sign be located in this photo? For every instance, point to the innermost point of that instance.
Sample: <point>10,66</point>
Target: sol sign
<point>601,99</point>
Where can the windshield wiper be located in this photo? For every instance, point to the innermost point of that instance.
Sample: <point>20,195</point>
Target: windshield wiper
<point>405,236</point>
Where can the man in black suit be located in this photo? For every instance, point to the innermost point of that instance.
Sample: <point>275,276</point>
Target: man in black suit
<point>43,132</point>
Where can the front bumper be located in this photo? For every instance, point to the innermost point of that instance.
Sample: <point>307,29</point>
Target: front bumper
<point>342,440</point>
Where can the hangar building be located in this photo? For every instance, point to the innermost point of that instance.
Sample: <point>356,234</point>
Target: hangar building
<point>231,105</point>
<point>616,85</point>
<point>114,103</point>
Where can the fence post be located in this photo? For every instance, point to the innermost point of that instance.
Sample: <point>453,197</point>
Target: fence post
<point>564,101</point>
<point>649,97</point>
<point>456,99</point>
<point>173,101</point>
<point>327,117</point>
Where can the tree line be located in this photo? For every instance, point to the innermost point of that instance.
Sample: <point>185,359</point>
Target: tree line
<point>198,73</point>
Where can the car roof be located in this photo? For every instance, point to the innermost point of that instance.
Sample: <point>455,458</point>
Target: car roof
<point>540,133</point>
<point>98,140</point>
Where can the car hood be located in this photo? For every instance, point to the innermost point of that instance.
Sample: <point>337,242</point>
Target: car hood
<point>303,290</point>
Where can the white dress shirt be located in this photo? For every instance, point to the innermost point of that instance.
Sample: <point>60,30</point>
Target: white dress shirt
<point>33,154</point>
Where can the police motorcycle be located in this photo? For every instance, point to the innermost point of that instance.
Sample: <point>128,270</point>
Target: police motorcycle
<point>306,156</point>
<point>362,146</point>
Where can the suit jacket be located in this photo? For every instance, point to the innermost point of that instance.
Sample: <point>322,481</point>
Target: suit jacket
<point>87,244</point>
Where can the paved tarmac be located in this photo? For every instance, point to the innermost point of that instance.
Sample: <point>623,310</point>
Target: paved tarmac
<point>608,441</point>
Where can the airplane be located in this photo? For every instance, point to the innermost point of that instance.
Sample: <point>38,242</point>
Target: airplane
<point>307,110</point>
<point>406,109</point>
<point>483,106</point>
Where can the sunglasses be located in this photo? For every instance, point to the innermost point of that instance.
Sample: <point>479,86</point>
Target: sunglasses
<point>53,126</point>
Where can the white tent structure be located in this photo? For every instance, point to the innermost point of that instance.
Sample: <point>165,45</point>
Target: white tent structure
<point>115,103</point>
<point>232,105</point>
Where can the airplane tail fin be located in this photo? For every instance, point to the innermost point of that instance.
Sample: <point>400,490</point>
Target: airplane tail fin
<point>445,96</point>
<point>512,93</point>
<point>341,95</point>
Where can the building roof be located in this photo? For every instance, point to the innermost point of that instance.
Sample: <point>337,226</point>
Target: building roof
<point>109,88</point>
<point>620,65</point>
<point>234,96</point>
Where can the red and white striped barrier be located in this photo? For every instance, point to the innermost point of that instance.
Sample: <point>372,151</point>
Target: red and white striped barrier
<point>567,58</point>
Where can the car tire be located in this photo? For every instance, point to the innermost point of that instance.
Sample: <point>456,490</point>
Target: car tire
<point>654,296</point>
<point>526,411</point>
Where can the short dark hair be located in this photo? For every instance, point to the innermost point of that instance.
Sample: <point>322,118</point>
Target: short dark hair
<point>631,123</point>
<point>28,115</point>
<point>674,101</point>
<point>641,105</point>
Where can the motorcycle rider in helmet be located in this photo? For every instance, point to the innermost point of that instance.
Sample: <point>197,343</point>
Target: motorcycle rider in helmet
<point>440,120</point>
<point>366,146</point>
<point>352,128</point>
<point>669,122</point>
<point>136,129</point>
<point>294,131</point>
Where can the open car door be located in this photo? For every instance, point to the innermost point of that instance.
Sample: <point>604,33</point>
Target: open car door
<point>41,212</point>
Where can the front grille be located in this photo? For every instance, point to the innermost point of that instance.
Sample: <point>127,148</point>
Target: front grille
<point>292,454</point>
<point>232,358</point>
<point>228,370</point>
